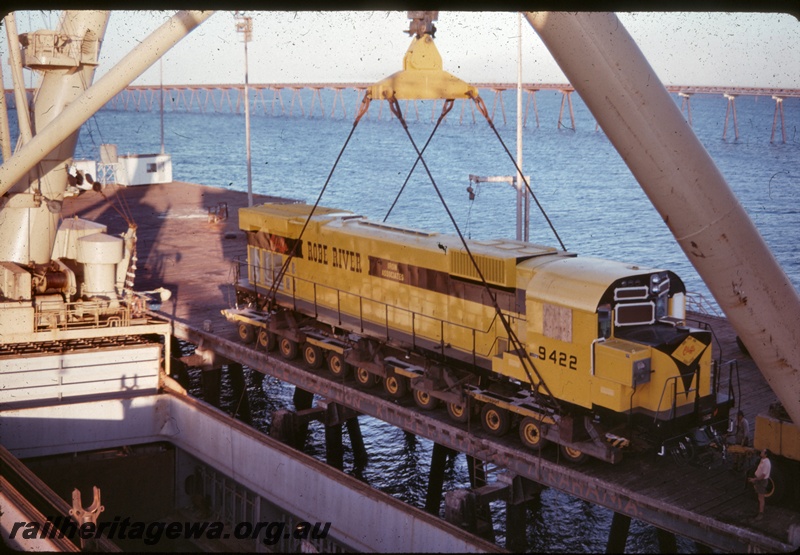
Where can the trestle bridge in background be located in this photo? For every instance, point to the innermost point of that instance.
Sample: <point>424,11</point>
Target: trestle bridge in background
<point>229,98</point>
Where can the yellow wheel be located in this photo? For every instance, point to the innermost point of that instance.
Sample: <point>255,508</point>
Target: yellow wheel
<point>530,432</point>
<point>313,356</point>
<point>365,379</point>
<point>246,333</point>
<point>575,456</point>
<point>288,348</point>
<point>396,386</point>
<point>337,366</point>
<point>495,420</point>
<point>267,340</point>
<point>457,412</point>
<point>425,401</point>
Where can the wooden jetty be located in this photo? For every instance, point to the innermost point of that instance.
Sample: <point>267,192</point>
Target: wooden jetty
<point>188,245</point>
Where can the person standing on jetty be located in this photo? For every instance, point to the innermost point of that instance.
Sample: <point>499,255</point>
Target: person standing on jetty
<point>761,481</point>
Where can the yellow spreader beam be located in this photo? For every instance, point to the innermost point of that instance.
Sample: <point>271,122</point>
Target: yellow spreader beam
<point>422,77</point>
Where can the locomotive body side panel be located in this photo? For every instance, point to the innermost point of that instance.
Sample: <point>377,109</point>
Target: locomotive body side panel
<point>396,284</point>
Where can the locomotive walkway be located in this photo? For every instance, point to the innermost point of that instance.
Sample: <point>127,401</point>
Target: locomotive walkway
<point>185,249</point>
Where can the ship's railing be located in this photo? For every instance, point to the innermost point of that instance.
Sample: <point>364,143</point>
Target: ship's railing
<point>58,315</point>
<point>697,302</point>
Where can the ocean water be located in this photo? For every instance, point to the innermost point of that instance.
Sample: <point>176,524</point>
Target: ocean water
<point>593,201</point>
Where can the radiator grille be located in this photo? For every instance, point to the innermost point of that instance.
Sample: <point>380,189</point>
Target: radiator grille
<point>493,269</point>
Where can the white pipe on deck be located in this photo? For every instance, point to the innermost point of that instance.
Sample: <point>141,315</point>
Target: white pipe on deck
<point>642,121</point>
<point>119,77</point>
<point>5,131</point>
<point>20,96</point>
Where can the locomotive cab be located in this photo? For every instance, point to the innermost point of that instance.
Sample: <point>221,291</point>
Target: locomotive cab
<point>611,338</point>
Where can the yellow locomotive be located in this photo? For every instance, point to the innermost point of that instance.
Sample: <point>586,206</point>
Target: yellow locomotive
<point>574,350</point>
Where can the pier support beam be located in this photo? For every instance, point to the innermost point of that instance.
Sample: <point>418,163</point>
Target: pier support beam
<point>276,95</point>
<point>439,457</point>
<point>302,400</point>
<point>316,95</point>
<point>521,493</point>
<point>357,443</point>
<point>483,516</point>
<point>283,427</point>
<point>334,416</point>
<point>498,95</point>
<point>686,102</point>
<point>241,403</point>
<point>531,97</point>
<point>702,548</point>
<point>778,109</point>
<point>618,534</point>
<point>731,109</point>
<point>516,539</point>
<point>337,95</point>
<point>258,379</point>
<point>291,428</point>
<point>469,508</point>
<point>209,381</point>
<point>566,97</point>
<point>178,369</point>
<point>334,451</point>
<point>296,95</point>
<point>666,541</point>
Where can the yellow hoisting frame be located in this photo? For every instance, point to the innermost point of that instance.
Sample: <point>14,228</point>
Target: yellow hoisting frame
<point>422,76</point>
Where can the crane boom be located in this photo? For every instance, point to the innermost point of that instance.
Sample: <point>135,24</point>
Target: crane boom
<point>70,274</point>
<point>633,107</point>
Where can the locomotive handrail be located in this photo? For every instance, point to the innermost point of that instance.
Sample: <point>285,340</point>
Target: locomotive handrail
<point>594,344</point>
<point>442,323</point>
<point>674,381</point>
<point>733,369</point>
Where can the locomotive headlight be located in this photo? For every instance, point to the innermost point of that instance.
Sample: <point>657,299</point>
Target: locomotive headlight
<point>654,281</point>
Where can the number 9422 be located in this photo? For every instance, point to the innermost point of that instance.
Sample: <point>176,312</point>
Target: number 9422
<point>558,357</point>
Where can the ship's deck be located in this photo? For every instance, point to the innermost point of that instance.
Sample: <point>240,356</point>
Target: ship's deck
<point>180,248</point>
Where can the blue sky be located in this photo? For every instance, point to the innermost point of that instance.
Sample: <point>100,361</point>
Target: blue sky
<point>724,49</point>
